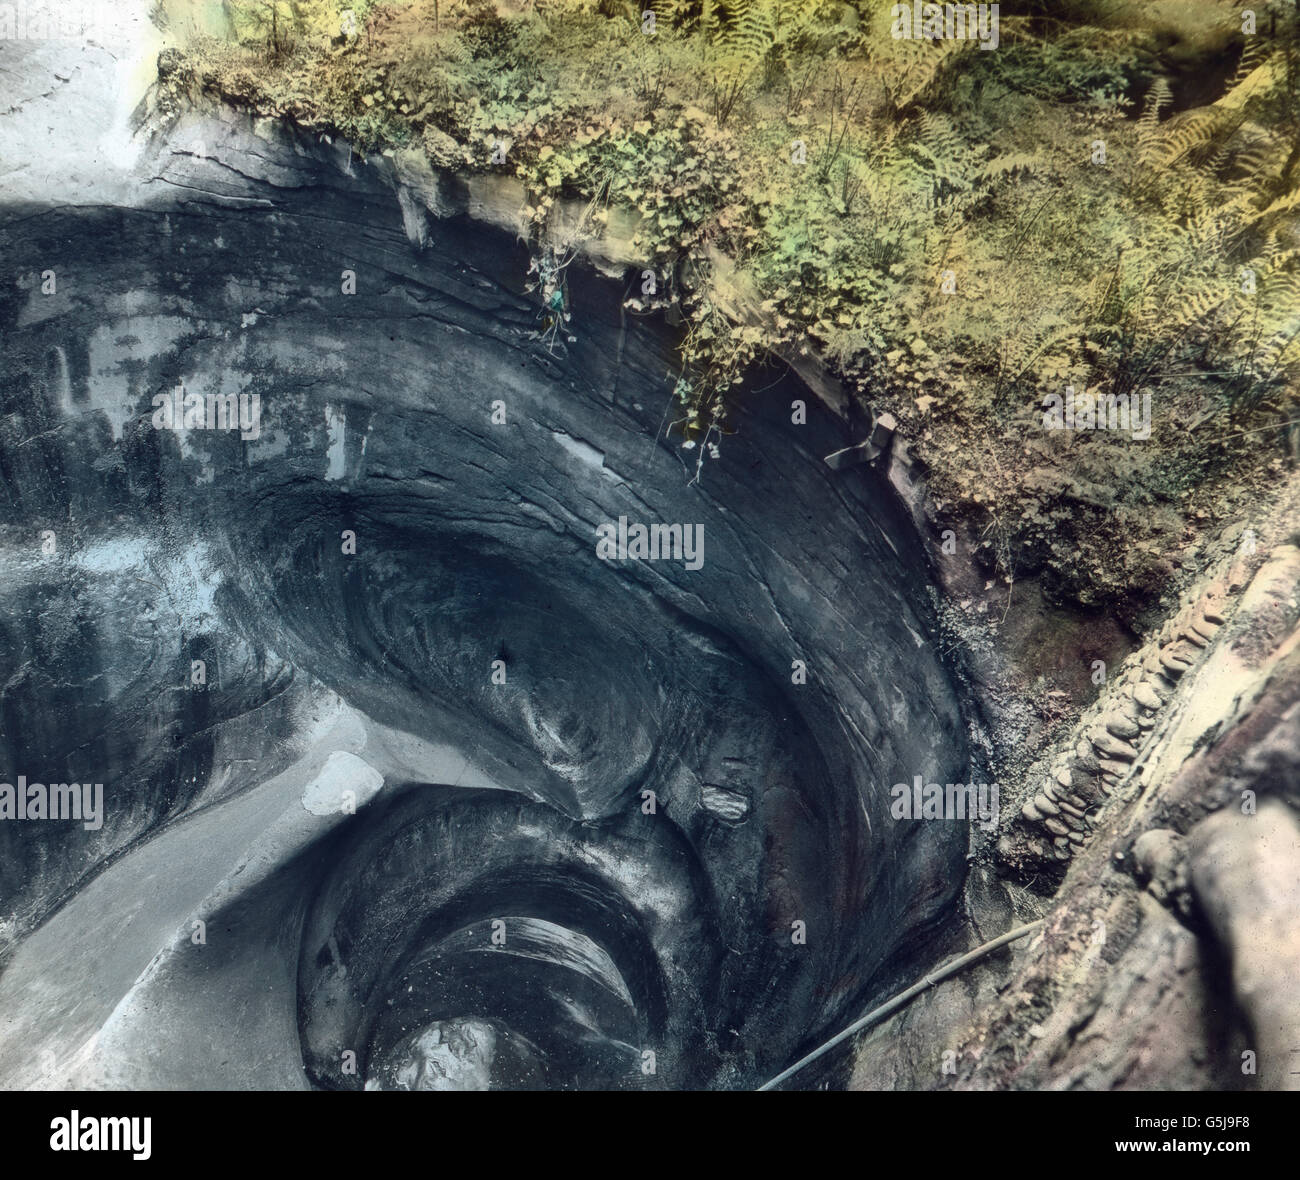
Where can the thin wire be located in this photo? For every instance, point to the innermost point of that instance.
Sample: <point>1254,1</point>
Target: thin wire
<point>898,1001</point>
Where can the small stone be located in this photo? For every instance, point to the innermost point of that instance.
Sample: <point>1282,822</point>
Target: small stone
<point>1238,575</point>
<point>1111,746</point>
<point>1120,725</point>
<point>1030,812</point>
<point>1212,612</point>
<point>1088,791</point>
<point>883,430</point>
<point>1056,827</point>
<point>1204,628</point>
<point>854,456</point>
<point>1040,849</point>
<point>729,805</point>
<point>1127,708</point>
<point>1172,665</point>
<point>1163,685</point>
<point>442,149</point>
<point>1145,696</point>
<point>1045,805</point>
<point>1154,850</point>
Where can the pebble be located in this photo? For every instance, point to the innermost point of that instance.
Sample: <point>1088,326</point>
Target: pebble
<point>1172,665</point>
<point>1210,609</point>
<point>1086,756</point>
<point>1120,725</point>
<point>1145,696</point>
<point>1088,791</point>
<point>1114,748</point>
<point>1163,685</point>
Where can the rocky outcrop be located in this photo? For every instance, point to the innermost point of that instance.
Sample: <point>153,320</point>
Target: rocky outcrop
<point>1162,960</point>
<point>387,743</point>
<point>1245,872</point>
<point>1102,766</point>
<point>407,784</point>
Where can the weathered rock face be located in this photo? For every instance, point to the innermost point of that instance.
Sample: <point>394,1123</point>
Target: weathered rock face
<point>1169,950</point>
<point>395,765</point>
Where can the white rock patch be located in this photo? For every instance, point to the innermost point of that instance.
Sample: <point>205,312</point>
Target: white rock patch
<point>344,784</point>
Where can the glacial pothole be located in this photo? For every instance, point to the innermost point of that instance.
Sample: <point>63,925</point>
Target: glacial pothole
<point>668,785</point>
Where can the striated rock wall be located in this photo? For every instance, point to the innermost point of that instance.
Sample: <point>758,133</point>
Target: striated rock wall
<point>671,783</point>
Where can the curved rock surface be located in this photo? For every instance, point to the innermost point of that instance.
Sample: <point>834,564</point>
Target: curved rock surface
<point>404,785</point>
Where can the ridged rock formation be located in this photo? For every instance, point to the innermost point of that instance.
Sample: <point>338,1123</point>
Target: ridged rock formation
<point>450,794</point>
<point>1162,962</point>
<point>1103,767</point>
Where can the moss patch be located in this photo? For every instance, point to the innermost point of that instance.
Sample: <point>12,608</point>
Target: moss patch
<point>1106,204</point>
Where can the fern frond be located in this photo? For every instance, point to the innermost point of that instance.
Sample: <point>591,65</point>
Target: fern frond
<point>1185,134</point>
<point>1254,53</point>
<point>1259,162</point>
<point>1283,204</point>
<point>748,30</point>
<point>1262,80</point>
<point>1197,301</point>
<point>1280,291</point>
<point>459,50</point>
<point>1158,97</point>
<point>1010,165</point>
<point>1275,259</point>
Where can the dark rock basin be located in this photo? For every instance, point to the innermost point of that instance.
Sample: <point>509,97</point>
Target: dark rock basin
<point>608,809</point>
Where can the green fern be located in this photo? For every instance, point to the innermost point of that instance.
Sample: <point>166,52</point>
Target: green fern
<point>1157,99</point>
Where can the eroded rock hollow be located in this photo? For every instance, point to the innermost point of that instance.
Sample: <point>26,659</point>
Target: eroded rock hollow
<point>404,784</point>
